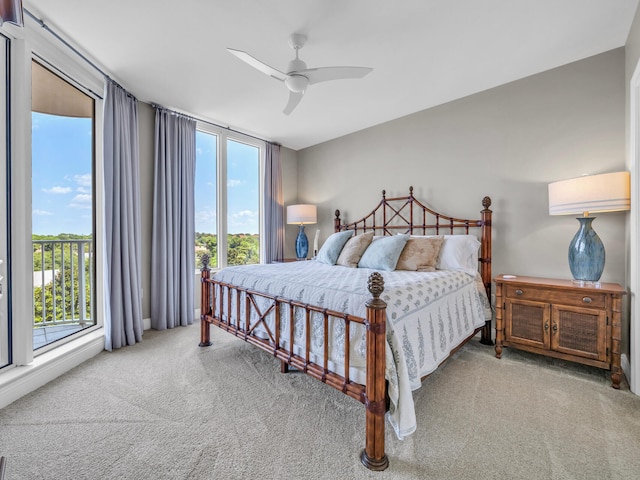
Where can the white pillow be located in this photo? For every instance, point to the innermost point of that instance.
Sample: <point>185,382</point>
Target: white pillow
<point>458,252</point>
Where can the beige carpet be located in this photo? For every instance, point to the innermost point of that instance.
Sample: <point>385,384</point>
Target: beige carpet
<point>167,409</point>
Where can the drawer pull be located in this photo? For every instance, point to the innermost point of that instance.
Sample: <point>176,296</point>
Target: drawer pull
<point>586,299</point>
<point>519,292</point>
<point>555,327</point>
<point>546,327</point>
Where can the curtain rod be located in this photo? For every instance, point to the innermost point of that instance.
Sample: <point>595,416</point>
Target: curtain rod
<point>155,105</point>
<point>74,50</point>
<point>66,44</point>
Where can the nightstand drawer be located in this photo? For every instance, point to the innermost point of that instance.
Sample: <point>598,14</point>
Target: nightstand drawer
<point>588,298</point>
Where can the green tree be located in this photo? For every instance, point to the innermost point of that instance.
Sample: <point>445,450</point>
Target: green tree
<point>242,248</point>
<point>59,299</point>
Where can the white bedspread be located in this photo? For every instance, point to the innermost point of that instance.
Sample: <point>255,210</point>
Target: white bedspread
<point>428,315</point>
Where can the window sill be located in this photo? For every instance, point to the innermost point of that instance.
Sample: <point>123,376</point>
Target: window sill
<point>17,381</point>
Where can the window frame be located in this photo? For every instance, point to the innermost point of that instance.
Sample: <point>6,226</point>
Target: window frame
<point>223,136</point>
<point>27,44</point>
<point>94,202</point>
<point>6,347</point>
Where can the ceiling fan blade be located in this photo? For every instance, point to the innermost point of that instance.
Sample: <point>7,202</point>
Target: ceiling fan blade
<point>294,100</point>
<point>255,63</point>
<point>324,74</point>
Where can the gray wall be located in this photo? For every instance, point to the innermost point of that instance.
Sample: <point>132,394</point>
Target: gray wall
<point>146,125</point>
<point>509,143</point>
<point>289,159</point>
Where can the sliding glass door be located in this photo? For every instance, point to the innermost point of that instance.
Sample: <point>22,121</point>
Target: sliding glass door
<point>62,207</point>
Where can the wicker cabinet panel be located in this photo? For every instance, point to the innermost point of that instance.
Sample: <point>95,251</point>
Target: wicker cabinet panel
<point>579,332</point>
<point>561,319</point>
<point>529,326</point>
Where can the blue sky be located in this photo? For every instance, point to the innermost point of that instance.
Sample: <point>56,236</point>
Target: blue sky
<point>61,174</point>
<point>62,189</point>
<point>243,204</point>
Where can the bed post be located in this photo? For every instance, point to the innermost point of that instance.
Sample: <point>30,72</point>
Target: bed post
<point>373,456</point>
<point>336,221</point>
<point>485,265</point>
<point>205,339</point>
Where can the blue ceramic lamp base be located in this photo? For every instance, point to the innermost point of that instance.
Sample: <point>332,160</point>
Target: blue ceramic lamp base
<point>586,253</point>
<point>302,244</point>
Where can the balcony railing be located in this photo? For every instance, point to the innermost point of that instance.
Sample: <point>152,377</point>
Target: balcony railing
<point>63,289</point>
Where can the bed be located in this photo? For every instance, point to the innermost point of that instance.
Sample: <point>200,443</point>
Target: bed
<point>369,329</point>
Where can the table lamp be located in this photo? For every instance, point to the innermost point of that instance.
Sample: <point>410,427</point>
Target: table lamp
<point>608,192</point>
<point>303,214</point>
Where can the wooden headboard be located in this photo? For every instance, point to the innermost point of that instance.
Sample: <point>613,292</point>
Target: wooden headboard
<point>408,215</point>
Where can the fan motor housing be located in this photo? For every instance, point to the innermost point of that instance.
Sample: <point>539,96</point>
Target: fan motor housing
<point>296,83</point>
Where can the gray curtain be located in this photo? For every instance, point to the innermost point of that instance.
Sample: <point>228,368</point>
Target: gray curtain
<point>273,205</point>
<point>123,301</point>
<point>173,236</point>
<point>11,11</point>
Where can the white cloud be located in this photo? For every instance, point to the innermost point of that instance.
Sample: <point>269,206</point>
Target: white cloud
<point>244,214</point>
<point>245,221</point>
<point>41,212</point>
<point>244,217</point>
<point>233,183</point>
<point>83,180</point>
<point>81,201</point>
<point>83,190</point>
<point>206,215</point>
<point>57,190</point>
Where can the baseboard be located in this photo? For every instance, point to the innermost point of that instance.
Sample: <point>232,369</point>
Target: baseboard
<point>147,321</point>
<point>626,366</point>
<point>21,380</point>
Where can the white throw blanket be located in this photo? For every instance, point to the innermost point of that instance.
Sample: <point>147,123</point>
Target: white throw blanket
<point>428,315</point>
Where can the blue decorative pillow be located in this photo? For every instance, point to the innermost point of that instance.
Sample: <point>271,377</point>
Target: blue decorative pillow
<point>383,253</point>
<point>332,247</point>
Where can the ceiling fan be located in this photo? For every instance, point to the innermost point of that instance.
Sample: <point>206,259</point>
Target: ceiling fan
<point>298,76</point>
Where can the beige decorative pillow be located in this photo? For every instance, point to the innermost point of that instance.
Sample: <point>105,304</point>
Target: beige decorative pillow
<point>420,254</point>
<point>353,250</point>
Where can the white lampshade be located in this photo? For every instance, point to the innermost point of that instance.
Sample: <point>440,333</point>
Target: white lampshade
<point>303,214</point>
<point>608,192</point>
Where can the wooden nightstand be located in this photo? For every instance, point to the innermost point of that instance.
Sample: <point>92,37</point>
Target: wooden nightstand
<point>561,319</point>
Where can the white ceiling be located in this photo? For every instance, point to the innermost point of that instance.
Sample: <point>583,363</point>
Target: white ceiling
<point>423,53</point>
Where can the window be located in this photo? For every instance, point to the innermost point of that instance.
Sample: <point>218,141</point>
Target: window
<point>228,209</point>
<point>5,323</point>
<point>62,156</point>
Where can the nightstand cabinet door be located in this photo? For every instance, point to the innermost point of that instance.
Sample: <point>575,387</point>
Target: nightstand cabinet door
<point>579,331</point>
<point>527,323</point>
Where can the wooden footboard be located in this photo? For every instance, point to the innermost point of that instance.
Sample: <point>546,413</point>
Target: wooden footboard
<point>220,307</point>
